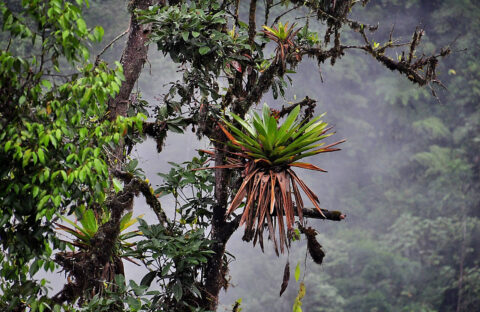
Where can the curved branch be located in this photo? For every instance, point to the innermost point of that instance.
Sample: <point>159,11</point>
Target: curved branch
<point>306,102</point>
<point>136,186</point>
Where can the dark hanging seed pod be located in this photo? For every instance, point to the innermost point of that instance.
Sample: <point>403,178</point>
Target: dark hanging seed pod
<point>314,248</point>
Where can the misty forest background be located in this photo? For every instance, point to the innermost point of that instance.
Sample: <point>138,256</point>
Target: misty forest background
<point>407,178</point>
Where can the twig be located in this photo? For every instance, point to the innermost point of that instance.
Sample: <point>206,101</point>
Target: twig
<point>283,14</point>
<point>9,43</point>
<point>97,59</point>
<point>308,102</point>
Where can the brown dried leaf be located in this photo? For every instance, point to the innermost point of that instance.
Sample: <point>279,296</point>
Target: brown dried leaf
<point>281,226</point>
<point>284,184</point>
<point>298,199</point>
<point>286,278</point>
<point>253,194</point>
<point>241,192</point>
<point>272,191</point>
<point>262,208</point>
<point>313,198</point>
<point>271,231</point>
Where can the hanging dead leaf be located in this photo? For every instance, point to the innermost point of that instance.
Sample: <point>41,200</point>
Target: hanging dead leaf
<point>286,278</point>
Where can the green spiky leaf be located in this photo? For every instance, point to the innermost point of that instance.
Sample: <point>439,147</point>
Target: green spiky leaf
<point>261,137</point>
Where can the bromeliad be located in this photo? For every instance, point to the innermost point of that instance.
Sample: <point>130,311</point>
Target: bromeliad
<point>270,186</point>
<point>84,233</point>
<point>283,36</point>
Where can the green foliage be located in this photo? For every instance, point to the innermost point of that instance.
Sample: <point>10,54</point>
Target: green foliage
<point>193,33</point>
<point>131,297</point>
<point>432,127</point>
<point>268,152</point>
<point>410,183</point>
<point>192,190</point>
<point>54,134</point>
<point>281,32</point>
<point>174,258</point>
<point>175,255</point>
<point>413,198</point>
<point>305,36</point>
<point>297,272</point>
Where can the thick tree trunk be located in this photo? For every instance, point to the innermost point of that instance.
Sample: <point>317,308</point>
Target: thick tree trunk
<point>133,58</point>
<point>101,255</point>
<point>213,274</point>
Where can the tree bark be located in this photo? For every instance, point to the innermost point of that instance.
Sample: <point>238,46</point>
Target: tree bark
<point>213,272</point>
<point>133,58</point>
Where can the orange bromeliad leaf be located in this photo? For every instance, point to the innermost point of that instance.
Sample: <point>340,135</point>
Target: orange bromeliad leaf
<point>260,160</point>
<point>328,148</point>
<point>241,192</point>
<point>229,135</point>
<point>211,153</point>
<point>307,166</point>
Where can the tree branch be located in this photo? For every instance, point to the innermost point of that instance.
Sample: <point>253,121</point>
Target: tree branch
<point>251,22</point>
<point>136,186</point>
<point>97,59</point>
<point>306,102</point>
<point>133,58</point>
<point>313,213</point>
<point>331,215</point>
